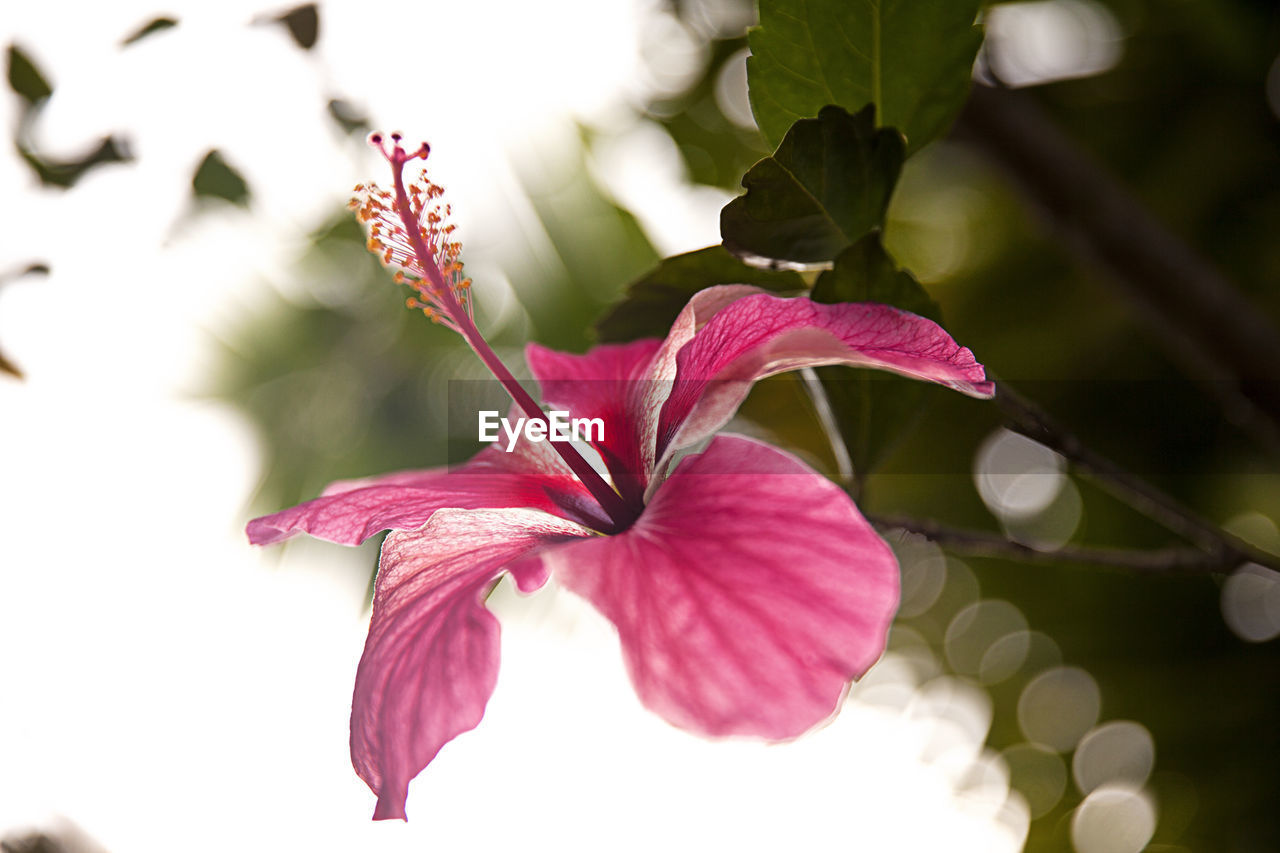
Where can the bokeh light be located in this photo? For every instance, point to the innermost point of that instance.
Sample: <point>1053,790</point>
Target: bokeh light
<point>924,574</point>
<point>1113,819</point>
<point>976,629</point>
<point>1046,40</point>
<point>1038,773</point>
<point>1058,706</point>
<point>1251,603</point>
<point>1017,477</point>
<point>1120,751</point>
<point>731,90</point>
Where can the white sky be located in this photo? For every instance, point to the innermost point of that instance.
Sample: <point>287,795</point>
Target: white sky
<point>164,685</point>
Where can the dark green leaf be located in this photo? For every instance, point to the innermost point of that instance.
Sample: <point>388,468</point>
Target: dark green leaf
<point>25,78</point>
<point>303,24</point>
<point>826,186</point>
<point>912,59</point>
<point>155,25</point>
<point>864,272</point>
<point>653,301</point>
<point>65,173</point>
<point>215,178</point>
<point>872,409</point>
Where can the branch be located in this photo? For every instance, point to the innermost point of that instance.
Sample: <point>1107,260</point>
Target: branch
<point>979,543</point>
<point>1220,548</point>
<point>1201,318</point>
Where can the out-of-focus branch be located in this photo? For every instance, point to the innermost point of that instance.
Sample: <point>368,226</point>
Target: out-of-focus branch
<point>1221,550</point>
<point>980,543</point>
<point>1200,317</point>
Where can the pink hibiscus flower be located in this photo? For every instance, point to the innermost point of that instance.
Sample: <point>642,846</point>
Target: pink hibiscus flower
<point>747,589</point>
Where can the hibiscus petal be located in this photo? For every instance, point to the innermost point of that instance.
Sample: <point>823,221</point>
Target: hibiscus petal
<point>351,511</point>
<point>760,335</point>
<point>704,305</point>
<point>626,385</point>
<point>606,383</point>
<point>746,597</point>
<point>431,660</point>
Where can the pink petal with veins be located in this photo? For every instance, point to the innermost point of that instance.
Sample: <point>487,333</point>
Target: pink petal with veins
<point>607,383</point>
<point>760,335</point>
<point>747,596</point>
<point>350,511</point>
<point>431,659</point>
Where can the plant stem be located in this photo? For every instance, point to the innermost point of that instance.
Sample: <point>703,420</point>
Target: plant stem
<point>979,543</point>
<point>1223,549</point>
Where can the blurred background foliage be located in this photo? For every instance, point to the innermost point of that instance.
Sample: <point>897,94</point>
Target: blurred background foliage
<point>345,382</point>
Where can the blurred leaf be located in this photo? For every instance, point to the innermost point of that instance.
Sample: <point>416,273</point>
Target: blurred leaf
<point>653,301</point>
<point>303,24</point>
<point>25,78</point>
<point>715,150</point>
<point>65,173</point>
<point>826,186</point>
<point>32,842</point>
<point>912,59</point>
<point>348,117</point>
<point>215,178</point>
<point>155,25</point>
<point>7,366</point>
<point>872,409</point>
<point>34,268</point>
<point>598,247</point>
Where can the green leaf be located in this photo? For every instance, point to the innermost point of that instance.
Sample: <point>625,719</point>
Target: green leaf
<point>25,78</point>
<point>872,409</point>
<point>303,24</point>
<point>826,186</point>
<point>912,59</point>
<point>155,25</point>
<point>65,173</point>
<point>653,301</point>
<point>215,178</point>
<point>864,272</point>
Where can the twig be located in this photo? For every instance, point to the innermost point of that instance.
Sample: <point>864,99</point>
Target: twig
<point>978,543</point>
<point>1201,318</point>
<point>1220,547</point>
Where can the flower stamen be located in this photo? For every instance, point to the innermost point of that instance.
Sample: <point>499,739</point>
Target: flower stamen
<point>410,232</point>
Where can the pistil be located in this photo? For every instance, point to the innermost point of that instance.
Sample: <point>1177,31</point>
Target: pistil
<point>432,258</point>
